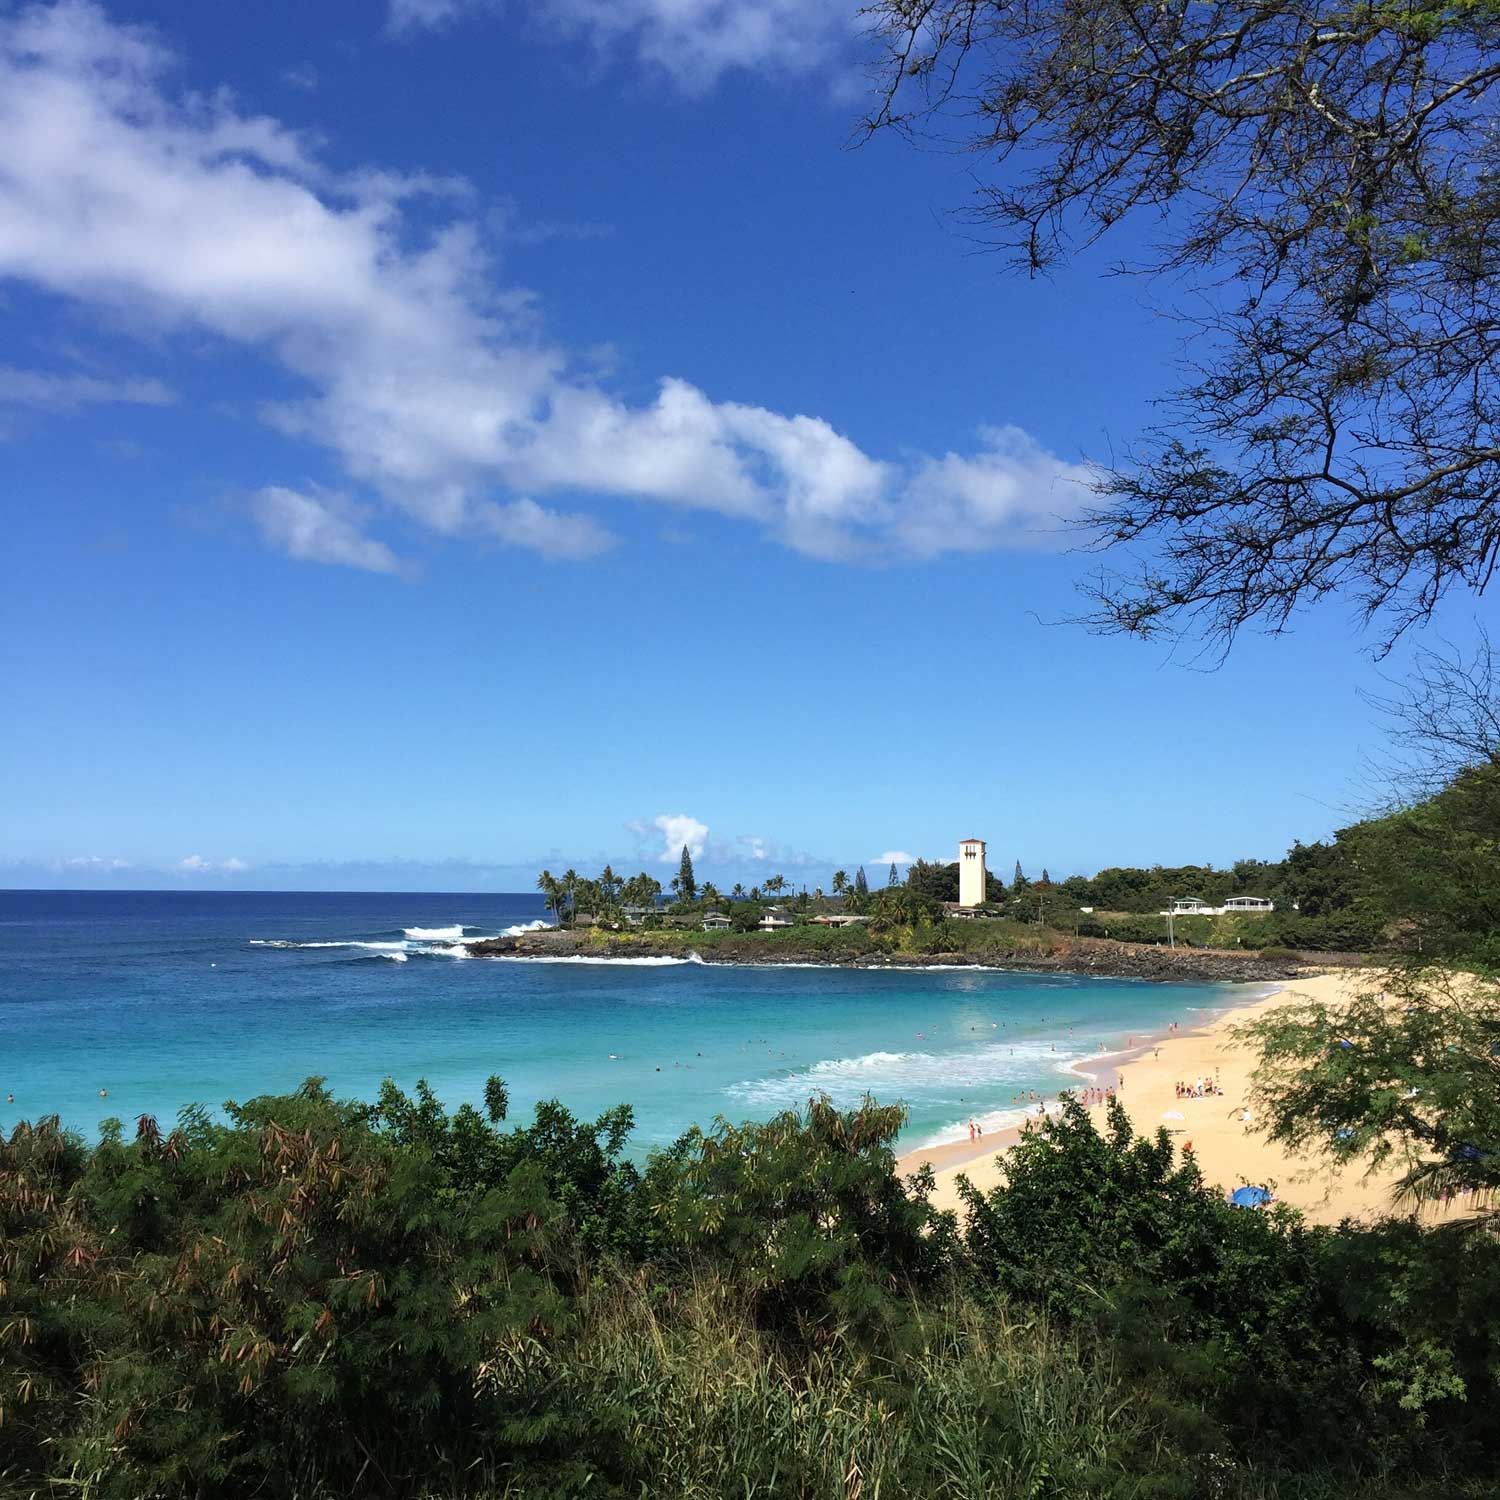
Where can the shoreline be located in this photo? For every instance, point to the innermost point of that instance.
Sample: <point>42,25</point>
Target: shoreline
<point>1051,953</point>
<point>1219,1127</point>
<point>950,1155</point>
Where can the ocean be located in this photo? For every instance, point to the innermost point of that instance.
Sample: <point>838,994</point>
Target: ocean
<point>171,998</point>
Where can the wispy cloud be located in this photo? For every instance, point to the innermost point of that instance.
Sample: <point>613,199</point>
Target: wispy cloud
<point>693,42</point>
<point>66,392</point>
<point>91,864</point>
<point>302,75</point>
<point>321,528</point>
<point>894,857</point>
<point>195,864</point>
<point>427,378</point>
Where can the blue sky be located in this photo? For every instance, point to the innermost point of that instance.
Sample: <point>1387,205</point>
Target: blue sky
<point>436,442</point>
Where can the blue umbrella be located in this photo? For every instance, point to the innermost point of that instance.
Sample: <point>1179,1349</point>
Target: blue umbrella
<point>1250,1197</point>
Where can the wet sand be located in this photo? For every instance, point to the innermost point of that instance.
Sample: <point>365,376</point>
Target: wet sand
<point>1226,1146</point>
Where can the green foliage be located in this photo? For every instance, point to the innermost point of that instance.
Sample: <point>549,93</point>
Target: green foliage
<point>1408,1070</point>
<point>1349,1342</point>
<point>319,1297</point>
<point>685,883</point>
<point>1115,1228</point>
<point>744,916</point>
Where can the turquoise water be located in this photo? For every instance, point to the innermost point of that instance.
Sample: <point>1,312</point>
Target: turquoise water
<point>171,998</point>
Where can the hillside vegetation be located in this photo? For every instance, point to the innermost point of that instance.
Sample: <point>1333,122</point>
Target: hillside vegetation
<point>320,1298</point>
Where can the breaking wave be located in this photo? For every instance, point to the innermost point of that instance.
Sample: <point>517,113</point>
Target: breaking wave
<point>434,933</point>
<point>991,1121</point>
<point>890,1076</point>
<point>370,947</point>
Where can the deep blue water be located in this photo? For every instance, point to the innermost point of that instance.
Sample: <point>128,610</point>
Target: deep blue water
<point>171,998</point>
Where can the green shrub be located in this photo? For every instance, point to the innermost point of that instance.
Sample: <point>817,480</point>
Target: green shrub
<point>319,1297</point>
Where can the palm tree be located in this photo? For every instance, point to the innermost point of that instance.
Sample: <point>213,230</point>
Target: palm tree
<point>710,894</point>
<point>570,889</point>
<point>840,882</point>
<point>552,893</point>
<point>738,893</point>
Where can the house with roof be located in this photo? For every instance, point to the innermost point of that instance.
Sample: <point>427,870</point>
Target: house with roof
<point>775,919</point>
<point>715,921</point>
<point>1193,906</point>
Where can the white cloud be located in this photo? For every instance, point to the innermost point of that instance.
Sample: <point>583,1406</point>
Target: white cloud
<point>1011,494</point>
<point>195,864</point>
<point>318,528</point>
<point>894,857</point>
<point>428,380</point>
<point>418,15</point>
<point>67,392</point>
<point>677,830</point>
<point>693,41</point>
<point>302,75</point>
<point>525,524</point>
<point>92,864</point>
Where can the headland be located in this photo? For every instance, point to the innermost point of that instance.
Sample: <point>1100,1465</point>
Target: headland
<point>991,945</point>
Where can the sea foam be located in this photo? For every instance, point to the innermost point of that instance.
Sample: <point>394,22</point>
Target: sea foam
<point>893,1075</point>
<point>286,943</point>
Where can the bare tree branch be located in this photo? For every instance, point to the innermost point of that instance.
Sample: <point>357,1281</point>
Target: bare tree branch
<point>1328,178</point>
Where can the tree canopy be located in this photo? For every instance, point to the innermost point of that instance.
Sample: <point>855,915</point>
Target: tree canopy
<point>1320,179</point>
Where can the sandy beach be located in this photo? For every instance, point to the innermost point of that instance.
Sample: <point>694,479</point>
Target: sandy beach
<point>1226,1146</point>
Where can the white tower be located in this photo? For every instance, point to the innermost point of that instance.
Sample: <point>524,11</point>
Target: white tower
<point>971,879</point>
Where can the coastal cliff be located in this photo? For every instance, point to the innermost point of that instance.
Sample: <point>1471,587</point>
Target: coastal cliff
<point>1044,952</point>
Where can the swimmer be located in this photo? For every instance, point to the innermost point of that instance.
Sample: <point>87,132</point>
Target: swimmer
<point>104,1093</point>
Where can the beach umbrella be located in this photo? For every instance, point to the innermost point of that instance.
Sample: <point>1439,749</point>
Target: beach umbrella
<point>1174,1114</point>
<point>1250,1197</point>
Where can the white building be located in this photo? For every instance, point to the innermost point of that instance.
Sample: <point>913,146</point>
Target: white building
<point>971,873</point>
<point>1191,906</point>
<point>715,921</point>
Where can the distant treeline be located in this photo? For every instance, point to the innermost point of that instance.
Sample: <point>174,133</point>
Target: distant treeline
<point>1425,877</point>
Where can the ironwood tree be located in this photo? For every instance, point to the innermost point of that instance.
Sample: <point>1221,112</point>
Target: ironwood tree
<point>1321,178</point>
